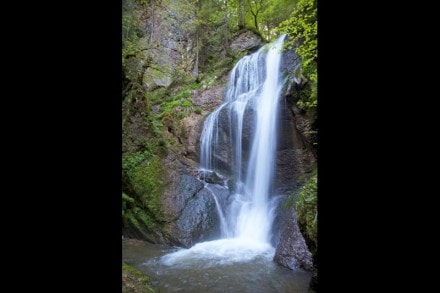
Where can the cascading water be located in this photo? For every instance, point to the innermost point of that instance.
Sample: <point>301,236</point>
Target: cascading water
<point>254,86</point>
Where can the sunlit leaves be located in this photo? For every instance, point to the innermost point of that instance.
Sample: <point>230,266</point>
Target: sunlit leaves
<point>302,29</point>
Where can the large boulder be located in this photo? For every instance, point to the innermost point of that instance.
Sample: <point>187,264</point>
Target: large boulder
<point>209,98</point>
<point>246,41</point>
<point>180,187</point>
<point>188,209</point>
<point>198,221</point>
<point>292,251</point>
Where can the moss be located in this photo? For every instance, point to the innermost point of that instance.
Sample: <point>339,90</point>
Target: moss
<point>141,210</point>
<point>174,103</point>
<point>306,207</point>
<point>307,98</point>
<point>141,200</point>
<point>140,220</point>
<point>146,179</point>
<point>134,280</point>
<point>157,96</point>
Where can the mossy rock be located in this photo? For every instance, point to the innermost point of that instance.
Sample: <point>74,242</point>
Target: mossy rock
<point>138,224</point>
<point>134,280</point>
<point>141,200</point>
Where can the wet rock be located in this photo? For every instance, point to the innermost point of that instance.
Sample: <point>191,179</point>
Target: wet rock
<point>180,187</point>
<point>188,209</point>
<point>198,221</point>
<point>292,251</point>
<point>211,177</point>
<point>231,185</point>
<point>291,64</point>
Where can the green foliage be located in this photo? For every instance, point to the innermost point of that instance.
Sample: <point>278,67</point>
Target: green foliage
<point>126,201</point>
<point>275,12</point>
<point>302,30</point>
<point>126,198</point>
<point>307,211</point>
<point>157,96</point>
<point>307,96</point>
<point>131,161</point>
<point>302,26</point>
<point>198,110</point>
<point>261,16</point>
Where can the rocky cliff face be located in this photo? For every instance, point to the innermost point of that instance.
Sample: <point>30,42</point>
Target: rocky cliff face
<point>165,51</point>
<point>207,99</point>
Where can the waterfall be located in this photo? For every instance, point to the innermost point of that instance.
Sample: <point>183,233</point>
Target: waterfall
<point>253,83</point>
<point>251,100</point>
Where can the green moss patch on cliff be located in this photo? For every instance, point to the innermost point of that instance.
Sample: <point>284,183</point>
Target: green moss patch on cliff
<point>134,281</point>
<point>141,200</point>
<point>306,207</point>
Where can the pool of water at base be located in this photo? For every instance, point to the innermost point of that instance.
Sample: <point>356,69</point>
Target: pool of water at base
<point>259,274</point>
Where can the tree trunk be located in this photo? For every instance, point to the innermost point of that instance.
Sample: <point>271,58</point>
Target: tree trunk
<point>240,15</point>
<point>195,72</point>
<point>256,23</point>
